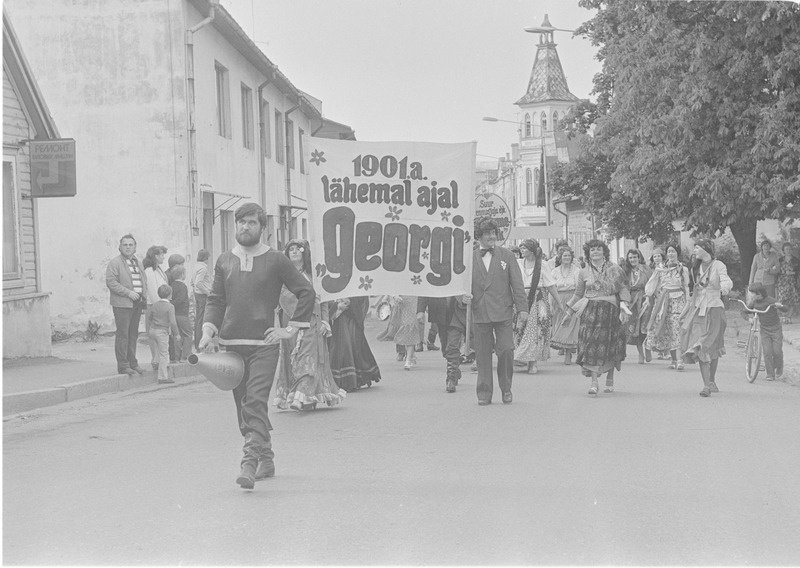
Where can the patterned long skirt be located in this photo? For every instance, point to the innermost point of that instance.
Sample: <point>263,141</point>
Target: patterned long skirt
<point>703,337</point>
<point>601,339</point>
<point>669,335</point>
<point>787,291</point>
<point>534,345</point>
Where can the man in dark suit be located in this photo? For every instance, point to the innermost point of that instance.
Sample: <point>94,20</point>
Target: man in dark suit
<point>496,289</point>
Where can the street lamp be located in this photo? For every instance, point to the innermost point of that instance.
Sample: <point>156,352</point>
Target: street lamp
<point>493,119</point>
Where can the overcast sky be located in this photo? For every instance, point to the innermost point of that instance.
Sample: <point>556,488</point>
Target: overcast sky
<point>417,70</point>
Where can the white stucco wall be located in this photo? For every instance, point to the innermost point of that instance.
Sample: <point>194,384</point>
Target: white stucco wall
<point>112,74</point>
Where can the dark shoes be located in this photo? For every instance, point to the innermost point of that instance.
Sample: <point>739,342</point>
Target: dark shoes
<point>247,477</point>
<point>451,385</point>
<point>126,371</point>
<point>138,370</point>
<point>266,468</point>
<point>484,402</point>
<point>432,347</point>
<point>507,398</point>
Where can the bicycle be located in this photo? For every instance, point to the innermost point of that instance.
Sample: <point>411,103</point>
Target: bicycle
<point>753,352</point>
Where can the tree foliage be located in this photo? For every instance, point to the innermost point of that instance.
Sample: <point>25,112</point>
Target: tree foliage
<point>697,117</point>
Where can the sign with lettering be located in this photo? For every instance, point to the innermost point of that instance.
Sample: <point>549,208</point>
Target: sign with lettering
<point>493,206</point>
<point>390,217</point>
<point>52,168</point>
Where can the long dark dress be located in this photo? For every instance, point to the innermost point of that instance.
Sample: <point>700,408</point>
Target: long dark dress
<point>352,363</point>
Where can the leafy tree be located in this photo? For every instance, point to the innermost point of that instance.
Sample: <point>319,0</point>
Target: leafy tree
<point>697,118</point>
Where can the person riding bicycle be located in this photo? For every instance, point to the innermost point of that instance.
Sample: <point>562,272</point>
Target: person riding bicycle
<point>771,329</point>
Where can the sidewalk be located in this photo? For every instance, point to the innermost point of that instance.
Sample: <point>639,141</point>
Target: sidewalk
<point>76,370</point>
<point>81,369</point>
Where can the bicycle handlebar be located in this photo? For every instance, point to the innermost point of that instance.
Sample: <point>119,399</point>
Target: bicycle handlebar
<point>753,310</point>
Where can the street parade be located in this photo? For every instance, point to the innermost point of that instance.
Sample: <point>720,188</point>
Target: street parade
<point>236,332</point>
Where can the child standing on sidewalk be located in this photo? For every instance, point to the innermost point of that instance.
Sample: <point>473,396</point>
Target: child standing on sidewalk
<point>771,329</point>
<point>162,322</point>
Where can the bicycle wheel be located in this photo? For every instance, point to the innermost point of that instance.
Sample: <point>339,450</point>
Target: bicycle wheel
<point>753,357</point>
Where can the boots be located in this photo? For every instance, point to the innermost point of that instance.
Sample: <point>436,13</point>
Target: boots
<point>247,476</point>
<point>266,468</point>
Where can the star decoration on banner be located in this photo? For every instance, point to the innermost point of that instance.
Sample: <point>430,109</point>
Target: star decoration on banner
<point>425,255</point>
<point>445,216</point>
<point>317,157</point>
<point>394,212</point>
<point>366,282</point>
<point>416,279</point>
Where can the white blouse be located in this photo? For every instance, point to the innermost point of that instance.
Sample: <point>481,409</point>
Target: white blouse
<point>566,280</point>
<point>545,276</point>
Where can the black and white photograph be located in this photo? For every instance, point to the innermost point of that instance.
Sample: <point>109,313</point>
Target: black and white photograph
<point>401,283</point>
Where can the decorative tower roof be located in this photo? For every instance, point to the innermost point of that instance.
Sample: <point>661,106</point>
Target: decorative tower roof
<point>547,82</point>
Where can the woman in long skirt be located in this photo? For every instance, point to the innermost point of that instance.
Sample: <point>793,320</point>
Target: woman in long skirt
<point>534,342</point>
<point>304,377</point>
<point>603,290</point>
<point>352,363</point>
<point>703,321</point>
<point>667,292</point>
<point>565,276</point>
<point>638,275</point>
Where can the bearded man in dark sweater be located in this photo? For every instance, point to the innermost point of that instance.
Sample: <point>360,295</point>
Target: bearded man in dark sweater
<point>240,310</point>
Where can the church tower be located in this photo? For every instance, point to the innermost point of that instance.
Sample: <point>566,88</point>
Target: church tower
<point>546,101</point>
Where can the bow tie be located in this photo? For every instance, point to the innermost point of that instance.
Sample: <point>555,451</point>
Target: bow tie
<point>489,250</point>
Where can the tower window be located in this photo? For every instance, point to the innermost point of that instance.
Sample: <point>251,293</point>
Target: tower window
<point>528,187</point>
<point>527,125</point>
<point>555,120</point>
<point>544,123</point>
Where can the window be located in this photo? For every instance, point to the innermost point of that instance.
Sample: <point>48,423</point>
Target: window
<point>535,187</point>
<point>541,200</point>
<point>266,142</point>
<point>527,125</point>
<point>290,142</point>
<point>247,117</point>
<point>223,102</point>
<point>305,227</point>
<point>528,187</point>
<point>279,137</point>
<point>536,126</point>
<point>544,123</point>
<point>11,254</point>
<point>555,120</point>
<point>300,133</point>
<point>227,229</point>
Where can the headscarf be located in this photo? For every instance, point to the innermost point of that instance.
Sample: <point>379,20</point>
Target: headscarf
<point>707,245</point>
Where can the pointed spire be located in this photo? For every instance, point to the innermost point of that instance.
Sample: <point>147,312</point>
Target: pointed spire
<point>547,80</point>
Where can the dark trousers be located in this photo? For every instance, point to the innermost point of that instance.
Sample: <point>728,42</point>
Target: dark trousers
<point>127,322</point>
<point>180,349</point>
<point>432,331</point>
<point>772,344</point>
<point>199,315</point>
<point>252,398</point>
<point>497,337</point>
<point>451,339</point>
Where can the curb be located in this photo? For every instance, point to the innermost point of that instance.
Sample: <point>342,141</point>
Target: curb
<point>31,400</point>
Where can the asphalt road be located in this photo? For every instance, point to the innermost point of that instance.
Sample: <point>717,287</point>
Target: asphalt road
<point>403,473</point>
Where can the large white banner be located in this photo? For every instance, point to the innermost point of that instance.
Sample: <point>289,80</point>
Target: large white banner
<point>390,217</point>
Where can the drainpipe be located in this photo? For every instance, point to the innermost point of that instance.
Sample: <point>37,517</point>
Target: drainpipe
<point>195,203</point>
<point>288,169</point>
<point>263,140</point>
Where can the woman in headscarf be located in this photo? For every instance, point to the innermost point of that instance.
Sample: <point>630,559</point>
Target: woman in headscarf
<point>601,301</point>
<point>667,292</point>
<point>638,275</point>
<point>304,377</point>
<point>533,344</point>
<point>703,321</point>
